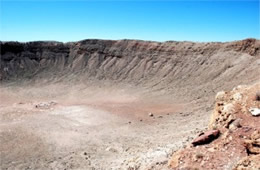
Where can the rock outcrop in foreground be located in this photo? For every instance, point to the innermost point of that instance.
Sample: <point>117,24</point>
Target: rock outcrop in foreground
<point>238,146</point>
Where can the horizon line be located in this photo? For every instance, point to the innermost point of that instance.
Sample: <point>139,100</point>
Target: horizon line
<point>127,39</point>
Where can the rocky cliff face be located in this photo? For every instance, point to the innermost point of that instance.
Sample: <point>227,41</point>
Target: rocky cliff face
<point>173,66</point>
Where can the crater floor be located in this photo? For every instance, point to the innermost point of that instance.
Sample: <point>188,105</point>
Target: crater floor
<point>92,128</point>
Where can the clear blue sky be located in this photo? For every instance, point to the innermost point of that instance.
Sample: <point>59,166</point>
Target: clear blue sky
<point>147,20</point>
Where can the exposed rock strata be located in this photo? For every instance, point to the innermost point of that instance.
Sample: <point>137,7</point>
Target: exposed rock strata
<point>188,68</point>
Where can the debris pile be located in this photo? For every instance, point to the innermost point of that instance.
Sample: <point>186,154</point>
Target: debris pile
<point>45,105</point>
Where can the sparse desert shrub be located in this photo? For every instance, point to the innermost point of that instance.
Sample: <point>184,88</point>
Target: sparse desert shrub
<point>257,96</point>
<point>199,156</point>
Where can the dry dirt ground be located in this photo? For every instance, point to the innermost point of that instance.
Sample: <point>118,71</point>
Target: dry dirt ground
<point>91,128</point>
<point>112,104</point>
